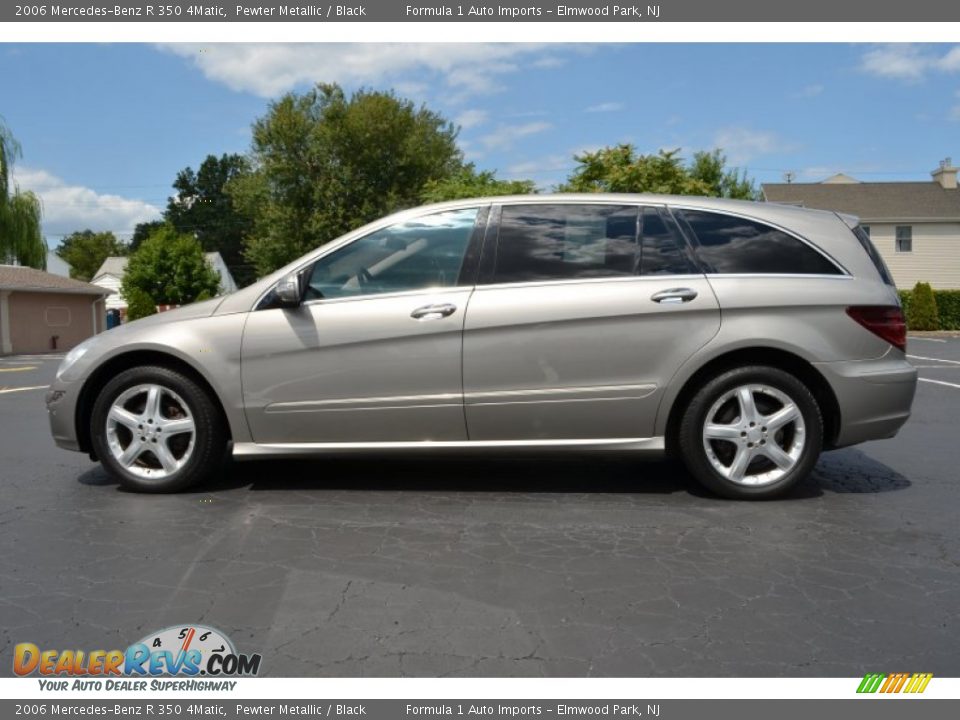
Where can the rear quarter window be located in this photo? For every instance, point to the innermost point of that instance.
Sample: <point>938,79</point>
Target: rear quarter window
<point>731,244</point>
<point>862,234</point>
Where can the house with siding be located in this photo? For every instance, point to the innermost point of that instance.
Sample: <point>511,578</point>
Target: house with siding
<point>914,225</point>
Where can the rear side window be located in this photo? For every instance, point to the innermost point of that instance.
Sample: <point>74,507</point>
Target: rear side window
<point>663,251</point>
<point>863,235</point>
<point>730,244</point>
<point>566,242</point>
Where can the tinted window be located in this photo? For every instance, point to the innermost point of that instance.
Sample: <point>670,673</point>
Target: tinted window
<point>664,252</point>
<point>729,244</point>
<point>422,253</point>
<point>863,235</point>
<point>562,242</point>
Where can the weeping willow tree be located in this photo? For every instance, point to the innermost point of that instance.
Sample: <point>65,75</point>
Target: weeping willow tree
<point>20,238</point>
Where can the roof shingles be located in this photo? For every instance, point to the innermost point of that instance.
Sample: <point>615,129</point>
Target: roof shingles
<point>872,200</point>
<point>14,277</point>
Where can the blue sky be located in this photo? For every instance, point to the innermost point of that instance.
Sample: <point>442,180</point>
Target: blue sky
<point>105,128</point>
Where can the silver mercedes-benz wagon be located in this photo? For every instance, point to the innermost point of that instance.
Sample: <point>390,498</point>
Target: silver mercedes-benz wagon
<point>741,337</point>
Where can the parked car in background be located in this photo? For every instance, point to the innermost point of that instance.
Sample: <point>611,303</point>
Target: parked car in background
<point>741,337</point>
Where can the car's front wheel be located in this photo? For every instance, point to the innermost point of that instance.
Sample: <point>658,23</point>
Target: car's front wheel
<point>156,430</point>
<point>751,433</point>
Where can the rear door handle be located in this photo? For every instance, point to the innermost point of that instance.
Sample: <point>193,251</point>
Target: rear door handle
<point>674,296</point>
<point>434,312</point>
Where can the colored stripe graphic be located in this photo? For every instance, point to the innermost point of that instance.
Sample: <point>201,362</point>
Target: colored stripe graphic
<point>871,683</point>
<point>918,683</point>
<point>894,683</point>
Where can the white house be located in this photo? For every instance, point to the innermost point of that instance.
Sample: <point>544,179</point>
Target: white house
<point>110,276</point>
<point>914,225</point>
<point>56,265</point>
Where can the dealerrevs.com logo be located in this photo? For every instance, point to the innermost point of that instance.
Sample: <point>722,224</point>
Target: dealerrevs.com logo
<point>180,650</point>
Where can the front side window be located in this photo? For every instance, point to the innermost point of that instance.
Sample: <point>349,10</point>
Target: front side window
<point>731,244</point>
<point>566,242</point>
<point>423,253</point>
<point>904,238</point>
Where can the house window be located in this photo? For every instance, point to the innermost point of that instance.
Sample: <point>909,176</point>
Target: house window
<point>904,238</point>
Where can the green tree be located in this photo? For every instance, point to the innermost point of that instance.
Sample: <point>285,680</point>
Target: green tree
<point>621,168</point>
<point>169,268</point>
<point>86,250</point>
<point>468,183</point>
<point>142,231</point>
<point>21,240</point>
<point>324,163</point>
<point>922,311</point>
<point>203,208</point>
<point>139,304</point>
<point>711,168</point>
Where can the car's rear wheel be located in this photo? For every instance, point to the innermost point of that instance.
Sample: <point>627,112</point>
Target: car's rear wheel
<point>156,430</point>
<point>751,433</point>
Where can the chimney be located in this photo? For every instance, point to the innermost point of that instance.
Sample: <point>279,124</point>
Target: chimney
<point>946,175</point>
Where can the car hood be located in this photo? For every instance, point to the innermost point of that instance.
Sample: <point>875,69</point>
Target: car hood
<point>187,312</point>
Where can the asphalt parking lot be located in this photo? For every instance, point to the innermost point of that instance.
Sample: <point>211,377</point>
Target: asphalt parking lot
<point>496,566</point>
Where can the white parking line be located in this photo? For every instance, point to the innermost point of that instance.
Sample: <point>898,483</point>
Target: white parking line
<point>940,340</point>
<point>21,389</point>
<point>940,382</point>
<point>22,358</point>
<point>921,357</point>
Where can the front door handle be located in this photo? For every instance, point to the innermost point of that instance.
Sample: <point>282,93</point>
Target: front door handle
<point>674,296</point>
<point>434,312</point>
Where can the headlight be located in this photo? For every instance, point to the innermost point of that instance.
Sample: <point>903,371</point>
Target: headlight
<point>71,357</point>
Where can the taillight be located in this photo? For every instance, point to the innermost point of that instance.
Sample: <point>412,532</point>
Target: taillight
<point>884,321</point>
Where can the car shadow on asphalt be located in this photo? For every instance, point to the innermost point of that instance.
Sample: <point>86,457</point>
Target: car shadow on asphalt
<point>842,471</point>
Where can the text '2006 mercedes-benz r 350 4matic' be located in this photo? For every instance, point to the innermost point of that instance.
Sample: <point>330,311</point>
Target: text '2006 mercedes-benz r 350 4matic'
<point>741,337</point>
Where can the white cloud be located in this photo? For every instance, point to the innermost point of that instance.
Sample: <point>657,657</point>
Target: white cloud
<point>541,166</point>
<point>810,91</point>
<point>896,61</point>
<point>506,135</point>
<point>271,69</point>
<point>67,208</point>
<point>742,145</point>
<point>951,61</point>
<point>548,63</point>
<point>471,118</point>
<point>605,107</point>
<point>909,62</point>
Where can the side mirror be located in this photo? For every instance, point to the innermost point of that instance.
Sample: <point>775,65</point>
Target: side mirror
<point>289,292</point>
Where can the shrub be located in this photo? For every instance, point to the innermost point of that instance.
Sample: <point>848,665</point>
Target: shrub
<point>948,308</point>
<point>904,301</point>
<point>139,304</point>
<point>922,310</point>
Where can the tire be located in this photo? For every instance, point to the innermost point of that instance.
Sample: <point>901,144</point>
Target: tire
<point>737,460</point>
<point>127,423</point>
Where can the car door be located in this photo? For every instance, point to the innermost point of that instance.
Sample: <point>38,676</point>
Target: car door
<point>581,316</point>
<point>373,354</point>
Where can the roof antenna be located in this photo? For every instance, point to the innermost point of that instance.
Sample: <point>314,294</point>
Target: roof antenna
<point>789,175</point>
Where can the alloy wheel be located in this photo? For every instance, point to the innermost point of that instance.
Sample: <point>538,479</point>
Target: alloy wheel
<point>754,435</point>
<point>150,431</point>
